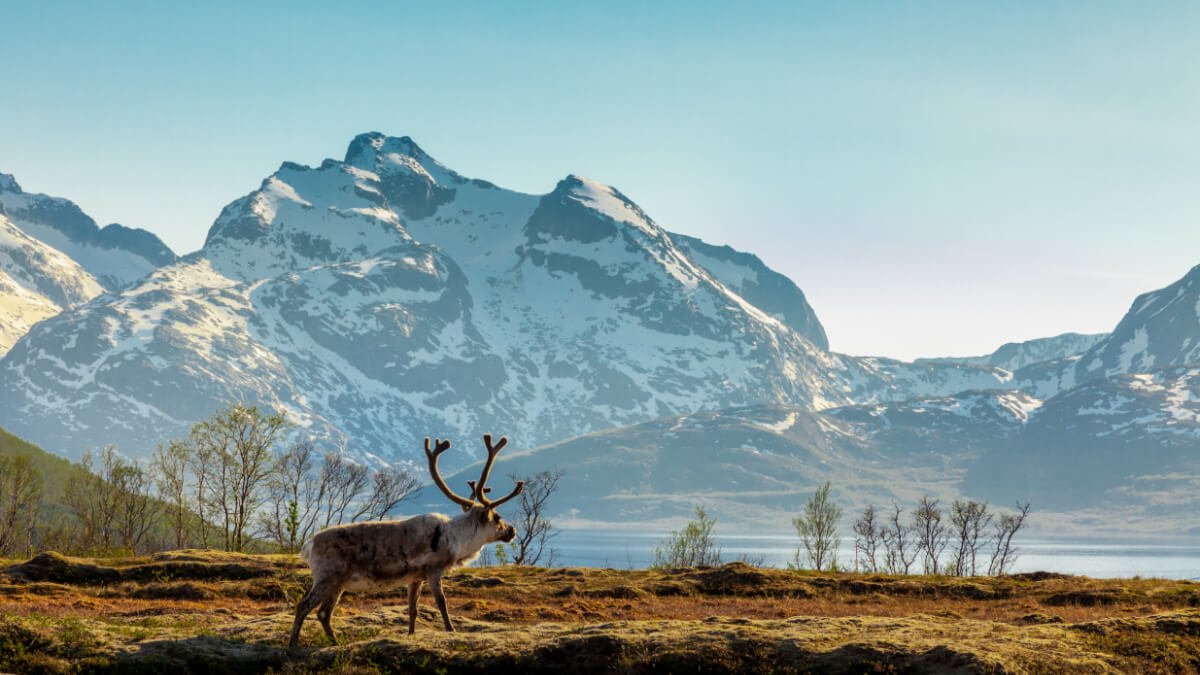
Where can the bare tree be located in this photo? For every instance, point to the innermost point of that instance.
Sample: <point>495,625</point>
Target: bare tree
<point>1004,554</point>
<point>238,442</point>
<point>931,533</point>
<point>20,495</point>
<point>136,508</point>
<point>534,530</point>
<point>817,528</point>
<point>968,520</point>
<point>389,487</point>
<point>897,537</point>
<point>202,460</point>
<point>293,493</point>
<point>867,532</point>
<point>92,501</point>
<point>341,482</point>
<point>112,503</point>
<point>169,466</point>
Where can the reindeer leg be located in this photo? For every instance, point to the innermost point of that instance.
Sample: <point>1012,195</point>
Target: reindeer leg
<point>414,590</point>
<point>307,603</point>
<point>326,611</point>
<point>435,585</point>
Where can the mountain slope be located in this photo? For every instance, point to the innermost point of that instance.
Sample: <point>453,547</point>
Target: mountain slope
<point>115,255</point>
<point>36,282</point>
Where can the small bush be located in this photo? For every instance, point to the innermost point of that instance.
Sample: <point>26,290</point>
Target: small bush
<point>692,546</point>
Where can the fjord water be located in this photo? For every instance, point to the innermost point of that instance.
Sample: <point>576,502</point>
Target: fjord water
<point>1094,558</point>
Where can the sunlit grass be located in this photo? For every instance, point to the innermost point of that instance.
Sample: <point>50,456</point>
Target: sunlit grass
<point>726,619</point>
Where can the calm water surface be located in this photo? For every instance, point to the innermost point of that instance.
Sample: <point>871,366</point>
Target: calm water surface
<point>624,550</point>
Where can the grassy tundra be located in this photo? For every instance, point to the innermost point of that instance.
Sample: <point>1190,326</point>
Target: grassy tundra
<point>202,611</point>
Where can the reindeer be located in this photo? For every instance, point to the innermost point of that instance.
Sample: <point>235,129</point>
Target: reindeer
<point>376,556</point>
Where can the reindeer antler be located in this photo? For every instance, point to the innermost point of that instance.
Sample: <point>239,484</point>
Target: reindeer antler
<point>441,446</point>
<point>480,489</point>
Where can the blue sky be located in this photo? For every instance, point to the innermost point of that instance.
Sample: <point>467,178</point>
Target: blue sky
<point>938,177</point>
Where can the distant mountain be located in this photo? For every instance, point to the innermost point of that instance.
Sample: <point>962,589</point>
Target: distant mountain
<point>385,297</point>
<point>758,464</point>
<point>36,282</point>
<point>115,255</point>
<point>1113,441</point>
<point>1016,355</point>
<point>1161,329</point>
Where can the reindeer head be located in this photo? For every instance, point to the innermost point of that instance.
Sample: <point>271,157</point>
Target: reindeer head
<point>478,506</point>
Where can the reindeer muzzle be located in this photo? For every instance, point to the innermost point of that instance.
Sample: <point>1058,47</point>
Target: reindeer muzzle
<point>509,534</point>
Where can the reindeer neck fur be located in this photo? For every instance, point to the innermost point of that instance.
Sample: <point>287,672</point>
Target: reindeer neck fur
<point>466,536</point>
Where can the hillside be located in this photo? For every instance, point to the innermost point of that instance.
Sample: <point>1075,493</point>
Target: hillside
<point>55,470</point>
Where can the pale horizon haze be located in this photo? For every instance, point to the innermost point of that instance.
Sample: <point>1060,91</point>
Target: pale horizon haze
<point>939,178</point>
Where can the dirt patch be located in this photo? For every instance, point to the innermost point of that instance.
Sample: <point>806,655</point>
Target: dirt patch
<point>1038,619</point>
<point>1091,598</point>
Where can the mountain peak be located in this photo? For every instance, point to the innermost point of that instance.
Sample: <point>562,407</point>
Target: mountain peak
<point>365,147</point>
<point>8,183</point>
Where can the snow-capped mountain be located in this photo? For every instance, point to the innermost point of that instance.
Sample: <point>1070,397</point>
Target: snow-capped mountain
<point>36,282</point>
<point>115,255</point>
<point>385,297</point>
<point>1162,328</point>
<point>1017,355</point>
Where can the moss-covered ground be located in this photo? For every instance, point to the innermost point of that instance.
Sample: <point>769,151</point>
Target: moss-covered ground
<point>199,611</point>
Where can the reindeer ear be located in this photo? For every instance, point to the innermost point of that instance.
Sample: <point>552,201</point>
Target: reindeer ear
<point>484,517</point>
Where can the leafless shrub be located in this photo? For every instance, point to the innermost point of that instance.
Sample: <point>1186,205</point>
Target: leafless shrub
<point>751,559</point>
<point>534,530</point>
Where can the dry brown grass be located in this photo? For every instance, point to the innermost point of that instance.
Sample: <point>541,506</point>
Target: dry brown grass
<point>197,611</point>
